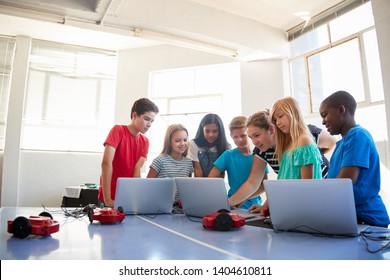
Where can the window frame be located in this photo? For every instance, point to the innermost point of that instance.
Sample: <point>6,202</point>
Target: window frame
<point>362,56</point>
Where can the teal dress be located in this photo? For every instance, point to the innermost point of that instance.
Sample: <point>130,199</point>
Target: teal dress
<point>292,161</point>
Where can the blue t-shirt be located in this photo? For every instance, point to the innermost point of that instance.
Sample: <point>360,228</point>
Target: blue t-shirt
<point>357,148</point>
<point>238,167</point>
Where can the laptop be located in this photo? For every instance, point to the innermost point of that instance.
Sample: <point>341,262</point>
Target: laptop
<point>200,196</point>
<point>324,207</point>
<point>139,196</point>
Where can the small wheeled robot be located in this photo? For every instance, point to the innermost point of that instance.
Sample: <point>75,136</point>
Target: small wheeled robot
<point>223,220</point>
<point>104,215</point>
<point>42,225</point>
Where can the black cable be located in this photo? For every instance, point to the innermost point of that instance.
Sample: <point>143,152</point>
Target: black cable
<point>192,219</point>
<point>366,236</point>
<point>315,232</point>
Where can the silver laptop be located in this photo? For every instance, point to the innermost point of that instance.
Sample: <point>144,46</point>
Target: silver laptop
<point>314,206</point>
<point>139,196</point>
<point>201,195</point>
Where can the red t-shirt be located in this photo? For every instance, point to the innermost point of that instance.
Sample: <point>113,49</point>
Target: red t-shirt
<point>128,150</point>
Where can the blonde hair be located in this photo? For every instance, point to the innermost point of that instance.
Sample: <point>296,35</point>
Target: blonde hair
<point>289,106</point>
<point>237,123</point>
<point>172,129</point>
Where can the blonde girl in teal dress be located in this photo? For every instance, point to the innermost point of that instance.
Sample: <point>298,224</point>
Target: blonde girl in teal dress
<point>296,150</point>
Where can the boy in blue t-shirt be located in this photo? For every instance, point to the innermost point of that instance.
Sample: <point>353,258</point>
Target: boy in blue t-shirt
<point>237,162</point>
<point>355,157</point>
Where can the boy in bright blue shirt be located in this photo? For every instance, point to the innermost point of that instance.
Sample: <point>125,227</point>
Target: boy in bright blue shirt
<point>355,157</point>
<point>237,162</point>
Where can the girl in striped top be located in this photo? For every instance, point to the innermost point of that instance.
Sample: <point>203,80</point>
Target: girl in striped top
<point>173,160</point>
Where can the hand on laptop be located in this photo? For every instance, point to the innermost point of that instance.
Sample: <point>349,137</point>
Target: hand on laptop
<point>255,208</point>
<point>262,209</point>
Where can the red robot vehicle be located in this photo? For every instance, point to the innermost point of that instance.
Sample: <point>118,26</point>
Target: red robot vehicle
<point>104,215</point>
<point>223,220</point>
<point>42,225</point>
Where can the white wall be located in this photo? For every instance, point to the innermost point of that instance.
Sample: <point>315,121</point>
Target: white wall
<point>44,175</point>
<point>261,84</point>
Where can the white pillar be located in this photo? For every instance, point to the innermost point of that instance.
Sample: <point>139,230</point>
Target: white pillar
<point>10,183</point>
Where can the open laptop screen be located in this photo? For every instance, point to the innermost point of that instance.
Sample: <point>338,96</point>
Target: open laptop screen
<point>310,205</point>
<point>145,195</point>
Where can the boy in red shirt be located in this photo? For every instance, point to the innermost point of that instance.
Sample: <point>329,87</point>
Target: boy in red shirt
<point>126,149</point>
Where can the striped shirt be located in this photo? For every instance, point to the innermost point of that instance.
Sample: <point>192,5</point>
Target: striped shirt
<point>167,167</point>
<point>269,157</point>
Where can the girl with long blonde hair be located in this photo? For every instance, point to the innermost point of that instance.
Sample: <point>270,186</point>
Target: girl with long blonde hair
<point>296,151</point>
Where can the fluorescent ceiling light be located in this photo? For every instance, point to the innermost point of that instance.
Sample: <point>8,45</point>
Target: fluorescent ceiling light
<point>184,42</point>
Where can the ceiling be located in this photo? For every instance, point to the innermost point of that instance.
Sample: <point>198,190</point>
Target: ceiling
<point>277,13</point>
<point>235,24</point>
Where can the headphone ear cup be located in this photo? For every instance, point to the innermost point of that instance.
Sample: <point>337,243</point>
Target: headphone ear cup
<point>223,222</point>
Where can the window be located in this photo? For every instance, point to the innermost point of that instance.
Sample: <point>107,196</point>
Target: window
<point>7,49</point>
<point>69,102</point>
<point>315,39</point>
<point>342,26</point>
<point>334,69</point>
<point>186,95</point>
<point>339,55</point>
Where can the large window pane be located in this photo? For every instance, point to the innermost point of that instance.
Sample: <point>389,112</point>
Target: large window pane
<point>69,99</point>
<point>338,68</point>
<point>312,40</point>
<point>299,84</point>
<point>373,66</point>
<point>7,49</point>
<point>352,22</point>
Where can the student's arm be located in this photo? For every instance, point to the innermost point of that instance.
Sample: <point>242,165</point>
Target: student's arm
<point>138,166</point>
<point>108,156</point>
<point>197,169</point>
<point>152,173</point>
<point>307,171</point>
<point>215,172</point>
<point>252,184</point>
<point>258,208</point>
<point>351,172</point>
<point>260,190</point>
<point>193,155</point>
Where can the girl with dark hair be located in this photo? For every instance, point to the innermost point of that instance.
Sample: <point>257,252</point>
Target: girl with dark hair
<point>209,143</point>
